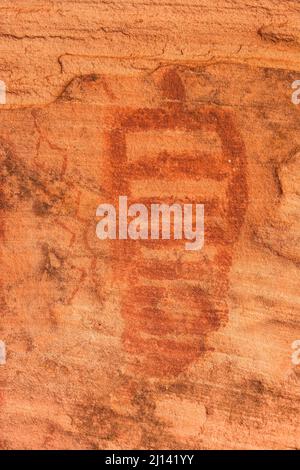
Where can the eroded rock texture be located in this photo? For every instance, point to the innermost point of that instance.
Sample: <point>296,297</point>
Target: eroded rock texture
<point>142,344</point>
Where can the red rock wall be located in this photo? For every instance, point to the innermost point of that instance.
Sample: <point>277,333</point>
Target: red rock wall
<point>142,344</point>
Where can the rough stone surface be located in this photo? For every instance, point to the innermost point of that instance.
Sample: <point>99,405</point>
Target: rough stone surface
<point>130,344</point>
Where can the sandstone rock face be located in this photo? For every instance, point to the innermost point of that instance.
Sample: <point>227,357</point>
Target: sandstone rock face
<point>121,344</point>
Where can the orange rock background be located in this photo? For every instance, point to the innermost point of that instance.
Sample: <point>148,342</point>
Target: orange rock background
<point>123,344</point>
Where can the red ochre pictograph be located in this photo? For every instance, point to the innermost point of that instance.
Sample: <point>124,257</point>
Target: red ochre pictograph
<point>171,299</point>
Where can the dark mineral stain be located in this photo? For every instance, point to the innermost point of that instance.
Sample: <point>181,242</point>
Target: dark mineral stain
<point>52,263</point>
<point>41,208</point>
